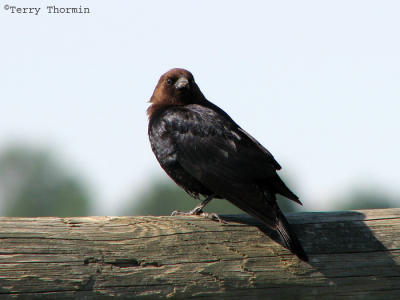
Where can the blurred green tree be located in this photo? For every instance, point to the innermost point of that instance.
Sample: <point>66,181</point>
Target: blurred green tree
<point>366,197</point>
<point>34,183</point>
<point>164,196</point>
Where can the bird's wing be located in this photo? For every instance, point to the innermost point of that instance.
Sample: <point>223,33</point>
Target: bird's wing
<point>214,151</point>
<point>263,149</point>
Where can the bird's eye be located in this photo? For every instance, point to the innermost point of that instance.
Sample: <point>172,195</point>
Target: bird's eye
<point>169,81</point>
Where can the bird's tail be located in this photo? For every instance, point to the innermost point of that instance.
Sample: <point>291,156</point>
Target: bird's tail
<point>288,237</point>
<point>273,218</point>
<point>266,209</point>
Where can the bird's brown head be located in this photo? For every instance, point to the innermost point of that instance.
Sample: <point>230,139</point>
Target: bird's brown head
<point>175,87</point>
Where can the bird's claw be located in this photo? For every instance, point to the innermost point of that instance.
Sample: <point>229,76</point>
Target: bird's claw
<point>196,212</point>
<point>212,216</point>
<point>179,213</point>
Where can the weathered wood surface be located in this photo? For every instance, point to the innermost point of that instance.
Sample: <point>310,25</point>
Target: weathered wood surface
<point>353,255</point>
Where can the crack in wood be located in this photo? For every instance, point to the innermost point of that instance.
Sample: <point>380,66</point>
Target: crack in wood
<point>88,285</point>
<point>121,262</point>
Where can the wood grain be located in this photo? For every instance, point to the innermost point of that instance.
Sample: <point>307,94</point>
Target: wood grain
<point>353,255</point>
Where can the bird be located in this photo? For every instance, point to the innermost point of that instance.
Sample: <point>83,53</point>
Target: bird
<point>206,153</point>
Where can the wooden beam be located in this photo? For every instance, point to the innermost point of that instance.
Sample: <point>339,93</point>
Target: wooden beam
<point>353,255</point>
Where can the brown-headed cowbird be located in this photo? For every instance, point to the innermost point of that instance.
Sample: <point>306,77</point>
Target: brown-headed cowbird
<point>206,153</point>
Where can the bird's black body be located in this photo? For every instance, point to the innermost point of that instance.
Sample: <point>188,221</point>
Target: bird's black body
<point>206,153</point>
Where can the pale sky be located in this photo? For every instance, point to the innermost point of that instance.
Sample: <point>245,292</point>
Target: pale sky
<point>316,82</point>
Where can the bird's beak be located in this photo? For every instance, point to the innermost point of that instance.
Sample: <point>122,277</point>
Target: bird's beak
<point>182,83</point>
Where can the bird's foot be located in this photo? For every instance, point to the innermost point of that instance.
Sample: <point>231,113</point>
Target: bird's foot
<point>212,216</point>
<point>194,212</point>
<point>200,213</point>
<point>181,213</point>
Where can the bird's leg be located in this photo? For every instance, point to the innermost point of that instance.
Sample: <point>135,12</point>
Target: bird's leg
<point>195,211</point>
<point>198,211</point>
<point>199,208</point>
